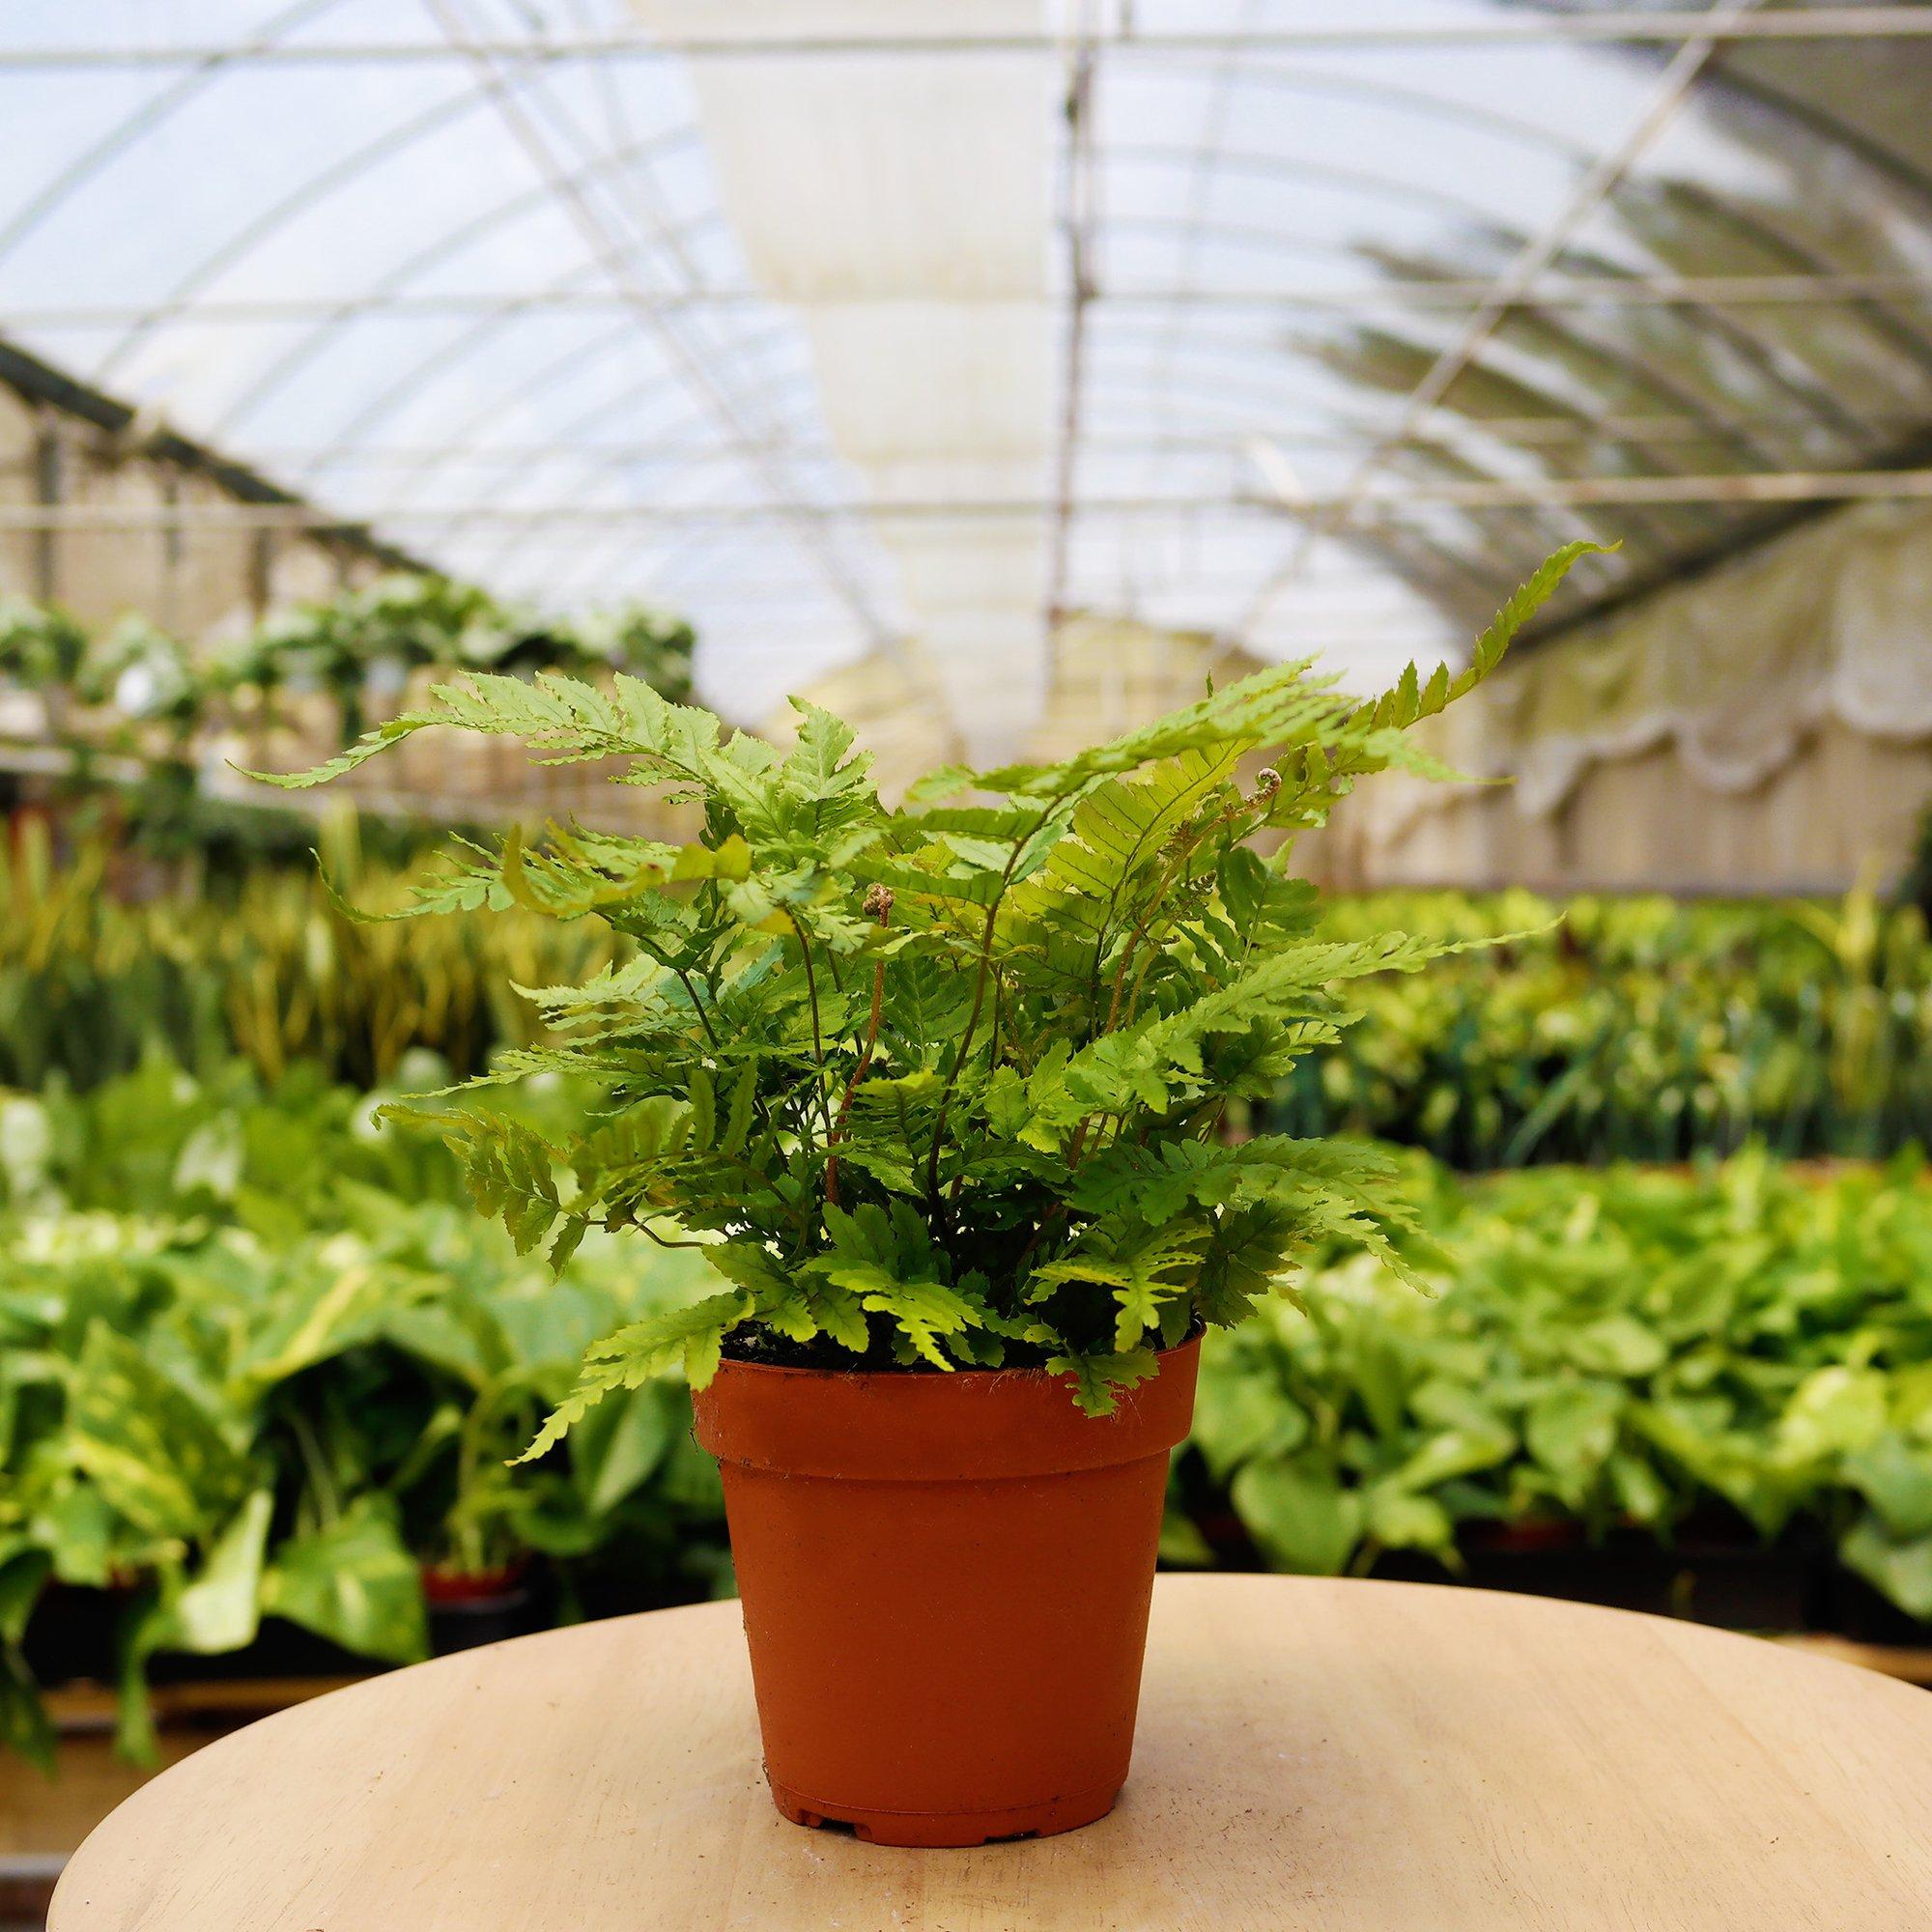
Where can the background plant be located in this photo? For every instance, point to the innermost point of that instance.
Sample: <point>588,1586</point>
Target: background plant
<point>256,1361</point>
<point>1619,1348</point>
<point>137,709</point>
<point>266,967</point>
<point>363,644</point>
<point>1605,1030</point>
<point>1633,1029</point>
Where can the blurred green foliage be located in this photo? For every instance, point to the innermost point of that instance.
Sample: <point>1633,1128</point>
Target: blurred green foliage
<point>265,968</point>
<point>1633,1029</point>
<point>257,1360</point>
<point>1626,1347</point>
<point>138,711</point>
<point>359,646</point>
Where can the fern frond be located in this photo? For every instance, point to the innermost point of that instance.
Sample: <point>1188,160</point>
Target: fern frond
<point>687,1338</point>
<point>941,1084</point>
<point>1408,703</point>
<point>1098,1380</point>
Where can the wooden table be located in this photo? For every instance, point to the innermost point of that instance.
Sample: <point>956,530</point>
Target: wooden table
<point>1384,1756</point>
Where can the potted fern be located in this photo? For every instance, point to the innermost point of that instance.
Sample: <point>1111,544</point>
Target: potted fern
<point>936,1088</point>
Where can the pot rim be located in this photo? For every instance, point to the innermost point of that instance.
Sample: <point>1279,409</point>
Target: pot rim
<point>974,1425</point>
<point>927,1373</point>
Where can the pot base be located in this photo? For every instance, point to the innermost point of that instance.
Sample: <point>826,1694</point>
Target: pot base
<point>938,1831</point>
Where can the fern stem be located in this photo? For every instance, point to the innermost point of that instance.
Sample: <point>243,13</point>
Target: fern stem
<point>1020,846</point>
<point>966,1037</point>
<point>817,1032</point>
<point>646,1228</point>
<point>703,1018</point>
<point>852,1085</point>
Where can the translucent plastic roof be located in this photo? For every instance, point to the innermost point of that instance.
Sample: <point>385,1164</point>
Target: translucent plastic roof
<point>1354,309</point>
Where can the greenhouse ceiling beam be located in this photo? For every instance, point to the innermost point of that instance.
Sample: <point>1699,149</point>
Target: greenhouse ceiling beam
<point>446,246</point>
<point>1740,214</point>
<point>1616,27</point>
<point>1079,214</point>
<point>669,453</point>
<point>1555,292</point>
<point>648,226</point>
<point>150,114</point>
<point>268,221</point>
<point>1572,492</point>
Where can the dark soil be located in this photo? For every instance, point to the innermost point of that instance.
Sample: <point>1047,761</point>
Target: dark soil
<point>777,1351</point>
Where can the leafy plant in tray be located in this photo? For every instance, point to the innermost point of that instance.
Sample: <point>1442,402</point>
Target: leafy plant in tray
<point>937,1088</point>
<point>255,1364</point>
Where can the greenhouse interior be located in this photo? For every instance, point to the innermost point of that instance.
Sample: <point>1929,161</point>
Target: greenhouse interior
<point>868,700</point>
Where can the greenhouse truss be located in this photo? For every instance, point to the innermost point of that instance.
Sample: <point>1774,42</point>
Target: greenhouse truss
<point>850,327</point>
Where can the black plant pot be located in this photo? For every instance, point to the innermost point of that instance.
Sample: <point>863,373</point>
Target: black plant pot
<point>1713,1573</point>
<point>466,1611</point>
<point>1856,1610</point>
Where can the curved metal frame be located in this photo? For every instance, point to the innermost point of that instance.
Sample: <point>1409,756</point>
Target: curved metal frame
<point>826,546</point>
<point>271,222</point>
<point>1736,434</point>
<point>1759,344</point>
<point>1193,367</point>
<point>147,116</point>
<point>500,215</point>
<point>1743,220</point>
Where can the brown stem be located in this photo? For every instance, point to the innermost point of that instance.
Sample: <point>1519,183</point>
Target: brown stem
<point>1020,846</point>
<point>966,1037</point>
<point>644,1228</point>
<point>1056,1212</point>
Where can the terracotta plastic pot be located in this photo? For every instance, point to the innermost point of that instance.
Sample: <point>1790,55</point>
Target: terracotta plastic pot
<point>946,1581</point>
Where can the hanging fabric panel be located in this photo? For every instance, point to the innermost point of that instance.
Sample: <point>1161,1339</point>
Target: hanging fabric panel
<point>901,203</point>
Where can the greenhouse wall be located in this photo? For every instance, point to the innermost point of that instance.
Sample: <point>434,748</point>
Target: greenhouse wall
<point>1762,728</point>
<point>1844,810</point>
<point>160,552</point>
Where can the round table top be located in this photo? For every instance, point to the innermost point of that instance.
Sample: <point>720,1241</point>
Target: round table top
<point>1386,1757</point>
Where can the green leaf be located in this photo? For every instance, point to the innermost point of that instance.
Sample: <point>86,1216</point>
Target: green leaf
<point>156,1454</point>
<point>1572,1430</point>
<point>1833,1410</point>
<point>1894,1475</point>
<point>353,1582</point>
<point>617,1445</point>
<point>1243,1418</point>
<point>24,1569</point>
<point>1617,1345</point>
<point>1183,1546</point>
<point>681,1337</point>
<point>1098,1380</point>
<point>79,1526</point>
<point>1455,1451</point>
<point>1409,702</point>
<point>1397,1519</point>
<point>221,1608</point>
<point>25,1725</point>
<point>1301,1517</point>
<point>1899,1567</point>
<point>924,1310</point>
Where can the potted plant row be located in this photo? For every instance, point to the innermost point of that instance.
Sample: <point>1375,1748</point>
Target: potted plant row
<point>936,1088</point>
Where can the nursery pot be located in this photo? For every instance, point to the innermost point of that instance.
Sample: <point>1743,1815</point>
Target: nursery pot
<point>945,1581</point>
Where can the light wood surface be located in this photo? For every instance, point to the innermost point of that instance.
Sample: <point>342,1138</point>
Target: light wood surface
<point>1348,1756</point>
